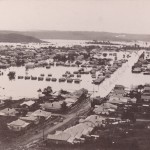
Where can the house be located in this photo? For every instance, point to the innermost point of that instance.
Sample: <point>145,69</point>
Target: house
<point>41,114</point>
<point>54,106</point>
<point>117,100</point>
<point>145,96</point>
<point>104,109</point>
<point>18,125</point>
<point>8,112</point>
<point>28,104</point>
<point>137,70</point>
<point>30,119</point>
<point>119,89</point>
<point>58,138</point>
<point>77,133</point>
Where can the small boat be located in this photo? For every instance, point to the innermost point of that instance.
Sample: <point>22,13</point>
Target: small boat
<point>53,79</point>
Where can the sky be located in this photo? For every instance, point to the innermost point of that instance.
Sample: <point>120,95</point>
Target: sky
<point>121,16</point>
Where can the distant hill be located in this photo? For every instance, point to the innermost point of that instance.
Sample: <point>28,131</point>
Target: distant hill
<point>87,35</point>
<point>18,38</point>
<point>82,35</point>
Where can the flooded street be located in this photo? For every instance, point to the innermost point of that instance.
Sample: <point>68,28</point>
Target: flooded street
<point>20,88</point>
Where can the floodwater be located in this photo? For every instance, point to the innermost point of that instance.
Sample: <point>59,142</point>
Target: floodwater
<point>21,88</point>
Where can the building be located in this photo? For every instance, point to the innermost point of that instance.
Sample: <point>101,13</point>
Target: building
<point>145,96</point>
<point>28,104</point>
<point>18,125</point>
<point>8,112</point>
<point>53,107</point>
<point>41,114</point>
<point>119,89</point>
<point>77,133</point>
<point>30,119</point>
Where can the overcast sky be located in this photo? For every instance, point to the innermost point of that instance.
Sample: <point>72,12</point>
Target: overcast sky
<point>126,16</point>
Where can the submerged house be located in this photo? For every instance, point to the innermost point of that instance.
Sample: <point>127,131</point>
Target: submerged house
<point>119,90</point>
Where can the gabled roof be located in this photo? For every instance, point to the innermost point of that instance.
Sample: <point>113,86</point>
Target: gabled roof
<point>29,118</point>
<point>54,105</point>
<point>8,111</point>
<point>18,123</point>
<point>41,113</point>
<point>61,137</point>
<point>28,103</point>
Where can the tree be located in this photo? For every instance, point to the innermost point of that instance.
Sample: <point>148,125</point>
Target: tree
<point>47,91</point>
<point>64,106</point>
<point>104,54</point>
